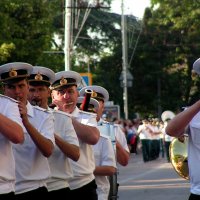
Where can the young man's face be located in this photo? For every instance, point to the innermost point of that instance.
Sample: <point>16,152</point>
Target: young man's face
<point>65,98</point>
<point>100,110</point>
<point>17,90</point>
<point>38,95</point>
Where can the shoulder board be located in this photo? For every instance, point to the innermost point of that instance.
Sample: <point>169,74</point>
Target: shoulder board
<point>6,97</point>
<point>42,109</point>
<point>88,113</point>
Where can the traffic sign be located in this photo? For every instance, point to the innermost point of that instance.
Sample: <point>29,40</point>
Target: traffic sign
<point>87,77</point>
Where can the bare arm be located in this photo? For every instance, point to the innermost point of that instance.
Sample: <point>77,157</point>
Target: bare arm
<point>44,144</point>
<point>122,155</point>
<point>104,170</point>
<point>11,130</point>
<point>87,134</point>
<point>177,125</point>
<point>70,150</point>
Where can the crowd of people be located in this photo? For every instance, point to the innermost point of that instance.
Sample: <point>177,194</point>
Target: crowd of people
<point>147,135</point>
<point>56,142</point>
<point>52,146</point>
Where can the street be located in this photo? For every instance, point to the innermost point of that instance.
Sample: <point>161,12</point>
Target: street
<point>151,180</point>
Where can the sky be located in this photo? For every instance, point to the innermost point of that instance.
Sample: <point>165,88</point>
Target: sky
<point>133,7</point>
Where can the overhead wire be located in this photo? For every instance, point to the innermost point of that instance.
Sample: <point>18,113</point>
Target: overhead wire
<point>87,12</point>
<point>109,19</point>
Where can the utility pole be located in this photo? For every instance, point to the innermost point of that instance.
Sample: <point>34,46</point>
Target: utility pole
<point>125,60</point>
<point>67,47</point>
<point>69,5</point>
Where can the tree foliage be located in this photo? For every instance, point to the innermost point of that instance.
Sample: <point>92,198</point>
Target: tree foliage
<point>174,35</point>
<point>27,25</point>
<point>161,48</point>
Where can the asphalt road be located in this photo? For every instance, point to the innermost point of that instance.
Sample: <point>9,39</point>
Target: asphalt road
<point>151,180</point>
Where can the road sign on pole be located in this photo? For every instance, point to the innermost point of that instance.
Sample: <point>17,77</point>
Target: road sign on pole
<point>87,77</point>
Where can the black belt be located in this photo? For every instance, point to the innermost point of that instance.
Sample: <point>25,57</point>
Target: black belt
<point>194,197</point>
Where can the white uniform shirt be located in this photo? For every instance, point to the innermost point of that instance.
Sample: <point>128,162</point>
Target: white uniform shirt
<point>155,135</point>
<point>107,129</point>
<point>143,132</point>
<point>194,154</point>
<point>8,108</point>
<point>83,169</point>
<point>32,168</point>
<point>104,156</point>
<point>167,138</point>
<point>60,166</point>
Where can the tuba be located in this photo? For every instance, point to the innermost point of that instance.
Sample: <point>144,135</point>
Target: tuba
<point>178,150</point>
<point>167,115</point>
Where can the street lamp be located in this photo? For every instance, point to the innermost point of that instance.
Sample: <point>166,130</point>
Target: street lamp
<point>129,77</point>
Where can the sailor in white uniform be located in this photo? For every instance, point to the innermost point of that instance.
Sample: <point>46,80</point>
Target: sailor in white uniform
<point>10,120</point>
<point>116,134</point>
<point>67,145</point>
<point>64,96</point>
<point>104,154</point>
<point>32,168</point>
<point>102,95</point>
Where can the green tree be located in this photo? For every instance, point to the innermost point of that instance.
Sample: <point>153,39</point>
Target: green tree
<point>169,46</point>
<point>27,25</point>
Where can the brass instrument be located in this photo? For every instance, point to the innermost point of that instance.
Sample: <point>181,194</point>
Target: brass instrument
<point>86,101</point>
<point>167,115</point>
<point>178,150</point>
<point>179,156</point>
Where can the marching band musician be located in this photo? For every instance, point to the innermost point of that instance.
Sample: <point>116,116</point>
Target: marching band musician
<point>10,120</point>
<point>167,139</point>
<point>67,145</point>
<point>155,139</point>
<point>65,96</point>
<point>105,161</point>
<point>122,150</point>
<point>189,120</point>
<point>32,168</point>
<point>145,135</point>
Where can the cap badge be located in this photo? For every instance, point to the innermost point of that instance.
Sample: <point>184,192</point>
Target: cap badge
<point>12,73</point>
<point>94,94</point>
<point>38,77</point>
<point>63,81</point>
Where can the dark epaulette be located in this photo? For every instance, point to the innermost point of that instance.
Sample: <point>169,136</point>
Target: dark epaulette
<point>6,97</point>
